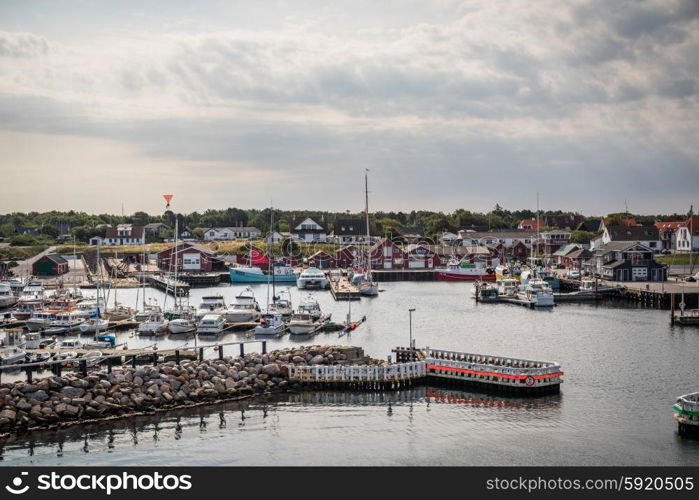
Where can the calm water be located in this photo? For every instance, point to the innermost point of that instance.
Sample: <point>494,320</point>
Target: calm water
<point>624,367</point>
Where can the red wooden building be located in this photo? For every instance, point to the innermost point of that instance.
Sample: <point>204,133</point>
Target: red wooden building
<point>321,260</point>
<point>385,254</point>
<point>347,256</point>
<point>189,257</point>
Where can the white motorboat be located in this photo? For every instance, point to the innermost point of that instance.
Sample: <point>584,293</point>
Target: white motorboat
<point>282,304</point>
<point>302,323</point>
<point>94,325</point>
<point>64,323</point>
<point>507,287</point>
<point>16,285</point>
<point>271,323</point>
<point>211,304</point>
<point>312,278</point>
<point>182,325</point>
<point>12,355</point>
<point>211,324</point>
<point>244,309</point>
<point>70,344</point>
<point>155,324</point>
<point>310,305</point>
<point>588,285</point>
<point>7,296</point>
<point>40,320</point>
<point>538,292</point>
<point>32,299</point>
<point>67,356</point>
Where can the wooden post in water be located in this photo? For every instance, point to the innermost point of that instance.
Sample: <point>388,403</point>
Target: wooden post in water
<point>242,350</point>
<point>29,375</point>
<point>83,368</point>
<point>220,352</point>
<point>133,361</point>
<point>264,347</point>
<point>201,354</point>
<point>177,356</point>
<point>672,309</point>
<point>155,359</point>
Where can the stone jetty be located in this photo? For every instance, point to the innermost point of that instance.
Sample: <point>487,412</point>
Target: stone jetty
<point>72,398</point>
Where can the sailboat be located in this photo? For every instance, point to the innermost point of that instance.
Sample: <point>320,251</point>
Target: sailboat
<point>364,282</point>
<point>272,320</point>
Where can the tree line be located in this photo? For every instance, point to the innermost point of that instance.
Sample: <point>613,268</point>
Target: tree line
<point>47,227</point>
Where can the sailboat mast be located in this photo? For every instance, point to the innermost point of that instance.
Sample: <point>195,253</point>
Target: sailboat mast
<point>366,211</point>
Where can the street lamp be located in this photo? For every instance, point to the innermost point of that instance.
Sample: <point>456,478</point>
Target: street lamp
<point>410,315</point>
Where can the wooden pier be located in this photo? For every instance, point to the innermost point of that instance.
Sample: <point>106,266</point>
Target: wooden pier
<point>435,366</point>
<point>168,285</point>
<point>342,289</point>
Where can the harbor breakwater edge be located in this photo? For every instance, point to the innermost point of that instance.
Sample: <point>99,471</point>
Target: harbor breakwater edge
<point>59,401</point>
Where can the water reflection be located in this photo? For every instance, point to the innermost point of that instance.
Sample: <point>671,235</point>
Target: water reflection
<point>150,430</point>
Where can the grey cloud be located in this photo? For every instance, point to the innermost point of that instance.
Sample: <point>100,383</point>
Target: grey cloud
<point>22,45</point>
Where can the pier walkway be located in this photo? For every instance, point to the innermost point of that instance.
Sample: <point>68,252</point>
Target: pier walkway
<point>342,289</point>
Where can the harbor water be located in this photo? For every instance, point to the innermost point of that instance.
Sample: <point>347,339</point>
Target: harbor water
<point>624,368</point>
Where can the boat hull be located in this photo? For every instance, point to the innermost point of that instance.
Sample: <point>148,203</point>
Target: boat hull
<point>456,276</point>
<point>241,276</point>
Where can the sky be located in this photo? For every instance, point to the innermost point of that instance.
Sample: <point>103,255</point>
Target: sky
<point>450,104</point>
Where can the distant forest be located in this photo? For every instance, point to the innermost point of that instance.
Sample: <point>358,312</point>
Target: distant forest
<point>50,225</point>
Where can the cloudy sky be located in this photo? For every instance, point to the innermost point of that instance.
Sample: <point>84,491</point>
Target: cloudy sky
<point>448,103</point>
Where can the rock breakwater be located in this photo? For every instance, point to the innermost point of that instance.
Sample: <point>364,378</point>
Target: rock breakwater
<point>72,398</point>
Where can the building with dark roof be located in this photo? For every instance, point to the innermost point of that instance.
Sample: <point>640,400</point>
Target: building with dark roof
<point>50,265</point>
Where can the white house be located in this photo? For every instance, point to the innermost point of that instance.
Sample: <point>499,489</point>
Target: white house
<point>231,233</point>
<point>309,229</point>
<point>688,235</point>
<point>122,234</point>
<point>492,239</point>
<point>277,237</point>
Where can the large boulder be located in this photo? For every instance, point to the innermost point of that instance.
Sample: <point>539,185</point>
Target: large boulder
<point>73,392</point>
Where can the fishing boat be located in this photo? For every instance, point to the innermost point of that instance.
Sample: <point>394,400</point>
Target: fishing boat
<point>312,278</point>
<point>589,286</point>
<point>94,325</point>
<point>31,300</point>
<point>538,292</point>
<point>687,412</point>
<point>462,270</point>
<point>155,324</point>
<point>7,296</point>
<point>283,273</point>
<point>504,271</point>
<point>211,325</point>
<point>485,292</point>
<point>270,324</point>
<point>211,304</point>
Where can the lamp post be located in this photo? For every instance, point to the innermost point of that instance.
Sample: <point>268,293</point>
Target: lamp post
<point>410,316</point>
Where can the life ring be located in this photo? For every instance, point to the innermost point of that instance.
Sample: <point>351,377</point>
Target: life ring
<point>529,381</point>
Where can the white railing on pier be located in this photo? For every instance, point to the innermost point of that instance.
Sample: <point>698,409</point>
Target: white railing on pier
<point>492,369</point>
<point>359,373</point>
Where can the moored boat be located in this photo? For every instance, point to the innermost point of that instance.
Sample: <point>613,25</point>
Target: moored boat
<point>687,412</point>
<point>485,292</point>
<point>94,325</point>
<point>271,323</point>
<point>211,304</point>
<point>537,292</point>
<point>211,325</point>
<point>7,296</point>
<point>312,278</point>
<point>456,270</point>
<point>155,324</point>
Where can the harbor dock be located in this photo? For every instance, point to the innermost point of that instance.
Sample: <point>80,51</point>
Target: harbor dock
<point>342,289</point>
<point>176,288</point>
